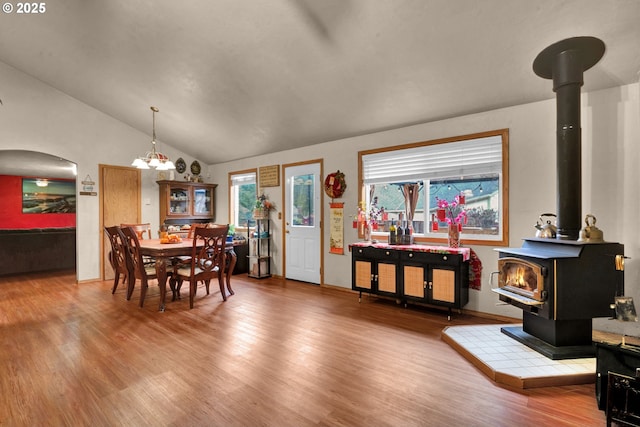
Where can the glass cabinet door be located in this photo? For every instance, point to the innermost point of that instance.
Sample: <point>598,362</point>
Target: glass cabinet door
<point>179,201</point>
<point>202,201</point>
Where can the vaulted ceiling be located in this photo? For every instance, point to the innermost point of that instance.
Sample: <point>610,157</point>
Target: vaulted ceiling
<point>237,78</point>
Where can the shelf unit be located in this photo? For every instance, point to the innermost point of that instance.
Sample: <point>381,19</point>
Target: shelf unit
<point>259,249</point>
<point>183,203</point>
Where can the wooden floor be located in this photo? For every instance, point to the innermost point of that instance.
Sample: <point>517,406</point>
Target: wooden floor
<point>278,353</point>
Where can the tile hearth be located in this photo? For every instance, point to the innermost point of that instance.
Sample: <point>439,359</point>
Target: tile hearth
<point>509,362</point>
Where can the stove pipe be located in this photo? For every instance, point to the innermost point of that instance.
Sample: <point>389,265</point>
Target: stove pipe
<point>565,62</point>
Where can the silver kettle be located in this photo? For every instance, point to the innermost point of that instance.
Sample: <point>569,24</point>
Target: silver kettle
<point>546,229</point>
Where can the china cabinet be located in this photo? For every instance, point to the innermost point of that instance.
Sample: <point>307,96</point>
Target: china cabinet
<point>186,202</point>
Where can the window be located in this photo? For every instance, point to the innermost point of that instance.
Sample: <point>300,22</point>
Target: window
<point>242,196</point>
<point>303,197</point>
<point>406,182</point>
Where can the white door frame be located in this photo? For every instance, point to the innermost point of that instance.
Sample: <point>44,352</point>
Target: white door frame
<point>284,216</point>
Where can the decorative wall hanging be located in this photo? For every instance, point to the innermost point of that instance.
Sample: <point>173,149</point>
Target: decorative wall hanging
<point>181,165</point>
<point>336,221</point>
<point>269,176</point>
<point>195,167</point>
<point>335,184</point>
<point>87,187</point>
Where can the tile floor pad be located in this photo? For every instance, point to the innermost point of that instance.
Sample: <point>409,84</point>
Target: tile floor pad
<point>509,361</point>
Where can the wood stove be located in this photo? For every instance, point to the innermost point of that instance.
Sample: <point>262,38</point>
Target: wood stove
<point>562,283</point>
<point>568,283</point>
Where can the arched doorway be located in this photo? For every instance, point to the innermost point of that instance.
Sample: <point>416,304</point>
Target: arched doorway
<point>33,239</point>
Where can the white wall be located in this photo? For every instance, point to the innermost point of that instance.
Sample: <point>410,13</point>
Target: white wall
<point>39,118</point>
<point>611,181</point>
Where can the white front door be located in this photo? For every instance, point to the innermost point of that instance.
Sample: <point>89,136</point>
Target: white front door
<point>303,222</point>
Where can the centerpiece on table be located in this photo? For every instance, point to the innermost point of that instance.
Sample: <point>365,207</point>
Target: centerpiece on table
<point>454,215</point>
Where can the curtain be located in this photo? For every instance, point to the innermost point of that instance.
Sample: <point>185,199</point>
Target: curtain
<point>410,191</point>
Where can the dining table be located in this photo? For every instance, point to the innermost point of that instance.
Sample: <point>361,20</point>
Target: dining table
<point>163,253</point>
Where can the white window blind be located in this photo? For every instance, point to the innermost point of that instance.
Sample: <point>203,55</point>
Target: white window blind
<point>453,159</point>
<point>241,179</point>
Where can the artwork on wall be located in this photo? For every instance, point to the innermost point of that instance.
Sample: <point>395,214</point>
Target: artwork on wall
<point>45,195</point>
<point>336,216</point>
<point>269,176</point>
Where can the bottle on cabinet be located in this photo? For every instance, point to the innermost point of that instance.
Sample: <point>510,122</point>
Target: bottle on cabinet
<point>393,237</point>
<point>399,233</point>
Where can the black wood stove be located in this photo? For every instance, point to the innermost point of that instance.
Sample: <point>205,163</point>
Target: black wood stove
<point>562,283</point>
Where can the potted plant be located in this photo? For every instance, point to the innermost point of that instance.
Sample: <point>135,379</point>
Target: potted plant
<point>231,233</point>
<point>262,207</point>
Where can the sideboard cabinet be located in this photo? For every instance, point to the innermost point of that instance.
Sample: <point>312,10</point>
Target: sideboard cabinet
<point>413,273</point>
<point>183,202</point>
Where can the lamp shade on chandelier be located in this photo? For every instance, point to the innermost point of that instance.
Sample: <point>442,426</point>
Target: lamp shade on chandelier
<point>153,158</point>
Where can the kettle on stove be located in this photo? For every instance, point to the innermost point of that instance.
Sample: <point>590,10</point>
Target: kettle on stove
<point>546,229</point>
<point>590,233</point>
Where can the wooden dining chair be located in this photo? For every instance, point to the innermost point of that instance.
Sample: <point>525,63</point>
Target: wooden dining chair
<point>184,259</point>
<point>141,271</point>
<point>207,261</point>
<point>193,227</point>
<point>143,231</point>
<point>118,260</point>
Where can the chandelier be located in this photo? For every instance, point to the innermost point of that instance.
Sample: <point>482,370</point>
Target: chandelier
<point>153,158</point>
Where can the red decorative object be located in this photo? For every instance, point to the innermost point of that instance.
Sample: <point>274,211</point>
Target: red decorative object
<point>441,215</point>
<point>475,271</point>
<point>335,184</point>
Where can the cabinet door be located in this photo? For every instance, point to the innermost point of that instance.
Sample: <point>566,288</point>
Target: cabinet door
<point>387,278</point>
<point>414,281</point>
<point>179,201</point>
<point>443,285</point>
<point>363,274</point>
<point>202,201</point>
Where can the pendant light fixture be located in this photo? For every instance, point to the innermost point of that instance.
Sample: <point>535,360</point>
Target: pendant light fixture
<point>153,158</point>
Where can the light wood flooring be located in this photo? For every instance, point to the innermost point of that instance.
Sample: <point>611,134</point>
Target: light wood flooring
<point>277,353</point>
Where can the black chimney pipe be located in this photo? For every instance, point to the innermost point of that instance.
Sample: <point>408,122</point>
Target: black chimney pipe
<point>565,62</point>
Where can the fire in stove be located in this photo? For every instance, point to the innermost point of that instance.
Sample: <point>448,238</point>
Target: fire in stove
<point>522,278</point>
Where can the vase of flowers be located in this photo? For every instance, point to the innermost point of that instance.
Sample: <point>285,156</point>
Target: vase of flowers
<point>454,215</point>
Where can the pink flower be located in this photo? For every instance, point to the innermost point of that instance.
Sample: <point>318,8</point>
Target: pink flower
<point>454,213</point>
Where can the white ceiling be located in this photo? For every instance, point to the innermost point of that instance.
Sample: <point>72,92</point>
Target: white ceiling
<point>238,78</point>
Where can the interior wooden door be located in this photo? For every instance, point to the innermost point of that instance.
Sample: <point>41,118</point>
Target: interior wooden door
<point>120,202</point>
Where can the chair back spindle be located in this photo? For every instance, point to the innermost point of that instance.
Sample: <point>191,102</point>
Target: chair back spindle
<point>143,230</point>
